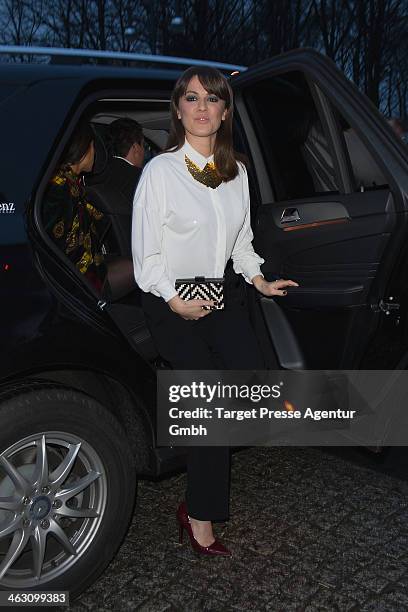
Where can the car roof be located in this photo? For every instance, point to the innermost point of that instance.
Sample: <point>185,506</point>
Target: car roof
<point>25,74</point>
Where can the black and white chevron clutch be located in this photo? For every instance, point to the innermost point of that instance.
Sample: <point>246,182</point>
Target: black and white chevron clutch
<point>202,288</point>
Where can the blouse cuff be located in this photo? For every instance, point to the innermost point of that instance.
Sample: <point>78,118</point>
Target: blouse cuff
<point>169,295</point>
<point>165,290</point>
<point>251,269</point>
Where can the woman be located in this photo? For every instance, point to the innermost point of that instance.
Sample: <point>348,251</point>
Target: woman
<point>75,225</point>
<point>191,215</point>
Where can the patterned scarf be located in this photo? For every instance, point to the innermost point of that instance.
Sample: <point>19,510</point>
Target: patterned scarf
<point>75,225</point>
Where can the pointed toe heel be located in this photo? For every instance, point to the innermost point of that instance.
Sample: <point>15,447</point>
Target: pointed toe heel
<point>214,549</point>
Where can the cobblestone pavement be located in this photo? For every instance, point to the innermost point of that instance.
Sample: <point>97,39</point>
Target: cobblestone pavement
<point>320,532</point>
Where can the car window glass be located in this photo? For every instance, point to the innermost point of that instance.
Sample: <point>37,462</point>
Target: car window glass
<point>366,172</point>
<point>150,149</point>
<point>292,137</point>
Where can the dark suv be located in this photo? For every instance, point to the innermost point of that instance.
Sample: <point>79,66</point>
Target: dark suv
<point>329,188</point>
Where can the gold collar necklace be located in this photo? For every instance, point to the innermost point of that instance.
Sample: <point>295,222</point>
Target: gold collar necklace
<point>207,176</point>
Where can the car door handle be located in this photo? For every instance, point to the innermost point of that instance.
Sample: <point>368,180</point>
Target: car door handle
<point>290,214</point>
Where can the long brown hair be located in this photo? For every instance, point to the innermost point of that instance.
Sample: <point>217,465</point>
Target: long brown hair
<point>225,158</point>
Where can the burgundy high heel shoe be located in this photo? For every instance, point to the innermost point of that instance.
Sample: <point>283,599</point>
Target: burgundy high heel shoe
<point>216,548</point>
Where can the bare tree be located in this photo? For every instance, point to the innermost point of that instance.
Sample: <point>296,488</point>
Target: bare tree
<point>282,25</point>
<point>19,21</point>
<point>367,39</point>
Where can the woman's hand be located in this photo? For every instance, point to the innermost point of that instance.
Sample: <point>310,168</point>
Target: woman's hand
<point>272,288</point>
<point>190,310</point>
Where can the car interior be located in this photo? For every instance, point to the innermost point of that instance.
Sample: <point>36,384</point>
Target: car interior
<point>153,116</point>
<point>155,130</point>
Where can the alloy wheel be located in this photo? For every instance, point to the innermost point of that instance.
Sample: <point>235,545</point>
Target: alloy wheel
<point>53,491</point>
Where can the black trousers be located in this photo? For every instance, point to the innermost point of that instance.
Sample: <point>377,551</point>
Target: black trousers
<point>223,339</point>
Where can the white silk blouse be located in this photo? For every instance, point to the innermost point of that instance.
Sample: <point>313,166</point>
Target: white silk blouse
<point>182,228</point>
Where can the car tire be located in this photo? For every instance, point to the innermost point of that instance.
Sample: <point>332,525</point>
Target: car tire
<point>67,489</point>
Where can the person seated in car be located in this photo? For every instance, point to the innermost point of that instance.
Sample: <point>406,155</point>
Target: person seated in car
<point>74,224</point>
<point>125,166</point>
<point>112,189</point>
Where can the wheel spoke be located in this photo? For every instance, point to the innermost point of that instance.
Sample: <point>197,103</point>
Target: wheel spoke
<point>77,512</point>
<point>77,486</point>
<point>61,473</point>
<point>52,482</point>
<point>17,546</point>
<point>39,540</point>
<point>22,485</point>
<point>13,526</point>
<point>41,464</point>
<point>10,503</point>
<point>62,537</point>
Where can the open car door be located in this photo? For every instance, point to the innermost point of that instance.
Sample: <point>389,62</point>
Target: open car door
<point>330,197</point>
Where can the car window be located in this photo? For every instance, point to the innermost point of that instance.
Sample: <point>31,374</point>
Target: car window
<point>150,149</point>
<point>292,137</point>
<point>365,171</point>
